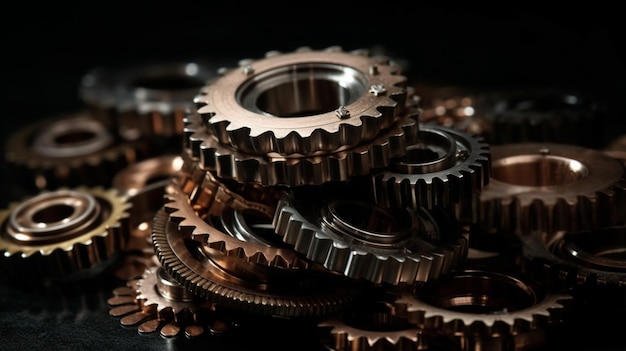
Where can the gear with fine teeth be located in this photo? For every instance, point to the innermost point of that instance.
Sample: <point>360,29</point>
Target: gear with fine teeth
<point>482,309</point>
<point>349,234</point>
<point>552,187</point>
<point>58,233</point>
<point>273,170</point>
<point>304,102</point>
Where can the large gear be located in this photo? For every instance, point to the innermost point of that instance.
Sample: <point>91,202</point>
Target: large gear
<point>271,170</point>
<point>441,167</point>
<point>304,102</point>
<point>349,234</point>
<point>57,233</point>
<point>551,187</point>
<point>481,309</point>
<point>68,150</point>
<point>591,257</point>
<point>156,302</point>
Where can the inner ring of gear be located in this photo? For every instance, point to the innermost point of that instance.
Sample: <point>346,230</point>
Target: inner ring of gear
<point>82,136</point>
<point>304,102</point>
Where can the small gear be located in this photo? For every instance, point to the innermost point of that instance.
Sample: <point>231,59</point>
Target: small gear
<point>156,302</point>
<point>304,102</point>
<point>591,257</point>
<point>349,234</point>
<point>442,167</point>
<point>67,151</point>
<point>57,233</point>
<point>551,187</point>
<point>145,99</point>
<point>481,309</point>
<point>275,170</point>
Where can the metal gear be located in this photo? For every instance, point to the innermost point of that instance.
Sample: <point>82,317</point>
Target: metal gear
<point>592,257</point>
<point>303,102</point>
<point>57,233</point>
<point>552,187</point>
<point>481,309</point>
<point>274,170</point>
<point>442,167</point>
<point>145,99</point>
<point>349,234</point>
<point>67,151</point>
<point>240,284</point>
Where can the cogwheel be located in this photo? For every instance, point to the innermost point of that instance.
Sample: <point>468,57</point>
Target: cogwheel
<point>64,231</point>
<point>551,187</point>
<point>349,234</point>
<point>243,285</point>
<point>145,99</point>
<point>304,102</point>
<point>592,257</point>
<point>442,167</point>
<point>482,309</point>
<point>67,151</point>
<point>274,170</point>
<point>373,327</point>
<point>156,302</point>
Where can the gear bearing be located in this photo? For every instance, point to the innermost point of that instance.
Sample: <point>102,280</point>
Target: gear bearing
<point>304,102</point>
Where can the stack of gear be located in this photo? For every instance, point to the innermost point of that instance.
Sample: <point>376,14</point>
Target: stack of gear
<point>321,188</point>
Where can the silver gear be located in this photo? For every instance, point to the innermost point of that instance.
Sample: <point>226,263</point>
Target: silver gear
<point>304,102</point>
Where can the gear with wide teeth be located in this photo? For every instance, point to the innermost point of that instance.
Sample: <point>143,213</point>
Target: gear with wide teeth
<point>591,257</point>
<point>551,187</point>
<point>66,151</point>
<point>156,302</point>
<point>482,309</point>
<point>57,233</point>
<point>353,236</point>
<point>273,170</point>
<point>305,102</point>
<point>442,167</point>
<point>252,286</point>
<point>145,100</point>
<point>373,327</point>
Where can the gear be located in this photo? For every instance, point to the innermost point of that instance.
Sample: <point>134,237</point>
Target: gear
<point>67,151</point>
<point>156,302</point>
<point>552,187</point>
<point>349,234</point>
<point>305,102</point>
<point>57,233</point>
<point>481,309</point>
<point>145,99</point>
<point>579,258</point>
<point>274,170</point>
<point>443,167</point>
<point>234,282</point>
<point>617,149</point>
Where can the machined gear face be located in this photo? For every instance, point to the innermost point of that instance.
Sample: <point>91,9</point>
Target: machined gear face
<point>304,102</point>
<point>551,187</point>
<point>64,231</point>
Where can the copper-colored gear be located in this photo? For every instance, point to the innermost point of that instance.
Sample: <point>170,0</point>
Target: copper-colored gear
<point>68,150</point>
<point>551,187</point>
<point>272,170</point>
<point>303,102</point>
<point>352,235</point>
<point>591,257</point>
<point>57,233</point>
<point>156,302</point>
<point>481,309</point>
<point>145,99</point>
<point>226,273</point>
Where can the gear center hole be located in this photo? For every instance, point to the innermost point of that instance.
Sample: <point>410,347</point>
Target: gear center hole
<point>538,170</point>
<point>74,137</point>
<point>53,214</point>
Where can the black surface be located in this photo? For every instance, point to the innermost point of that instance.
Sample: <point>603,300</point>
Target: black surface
<point>46,50</point>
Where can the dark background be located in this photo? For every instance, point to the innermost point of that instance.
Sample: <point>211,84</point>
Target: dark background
<point>47,49</point>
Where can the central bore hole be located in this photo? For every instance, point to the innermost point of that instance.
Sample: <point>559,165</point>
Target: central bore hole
<point>536,170</point>
<point>74,137</point>
<point>303,90</point>
<point>367,217</point>
<point>420,155</point>
<point>167,82</point>
<point>53,214</point>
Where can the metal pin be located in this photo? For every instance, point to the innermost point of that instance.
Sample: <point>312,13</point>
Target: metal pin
<point>377,89</point>
<point>342,112</point>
